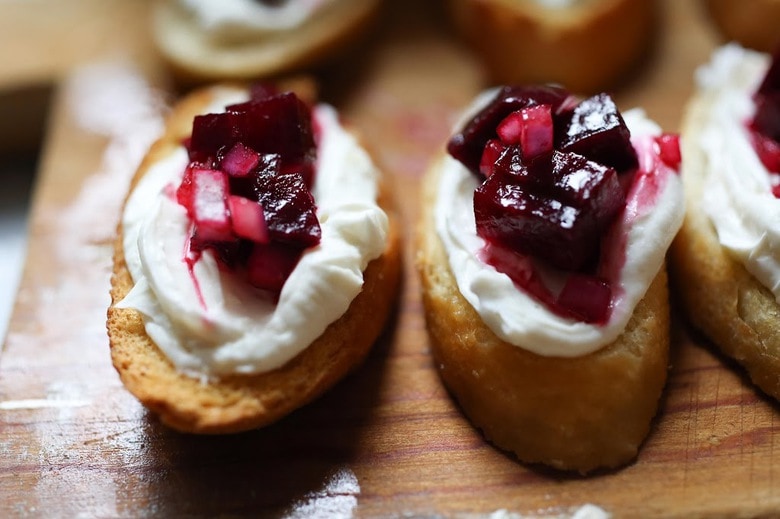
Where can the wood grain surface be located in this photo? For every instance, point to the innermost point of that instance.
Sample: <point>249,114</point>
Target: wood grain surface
<point>386,442</point>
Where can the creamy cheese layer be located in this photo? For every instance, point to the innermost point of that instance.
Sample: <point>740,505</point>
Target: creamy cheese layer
<point>737,189</point>
<point>237,19</point>
<point>236,328</point>
<point>638,242</point>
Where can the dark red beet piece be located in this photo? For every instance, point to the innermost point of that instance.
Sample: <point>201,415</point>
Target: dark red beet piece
<point>289,210</point>
<point>534,174</point>
<point>280,124</point>
<point>535,224</point>
<point>767,118</point>
<point>586,298</point>
<point>229,253</point>
<point>510,165</point>
<point>552,167</point>
<point>596,130</point>
<point>490,156</point>
<point>771,81</point>
<point>269,265</point>
<point>303,167</point>
<point>268,165</point>
<point>765,127</point>
<point>589,186</point>
<point>467,145</point>
<point>555,209</point>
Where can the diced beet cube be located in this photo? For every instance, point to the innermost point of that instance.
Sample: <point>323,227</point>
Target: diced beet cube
<point>490,155</point>
<point>767,118</point>
<point>268,165</point>
<point>290,212</point>
<point>228,253</point>
<point>269,265</point>
<point>771,81</point>
<point>768,151</point>
<point>531,128</point>
<point>210,132</point>
<point>279,124</point>
<point>590,187</point>
<point>534,174</point>
<point>304,167</point>
<point>510,164</point>
<point>239,161</point>
<point>247,219</point>
<point>669,149</point>
<point>466,145</point>
<point>534,224</point>
<point>586,297</point>
<point>596,130</point>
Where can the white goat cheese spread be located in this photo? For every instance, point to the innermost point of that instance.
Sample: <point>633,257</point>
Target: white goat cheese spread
<point>237,19</point>
<point>235,329</point>
<point>513,315</point>
<point>738,195</point>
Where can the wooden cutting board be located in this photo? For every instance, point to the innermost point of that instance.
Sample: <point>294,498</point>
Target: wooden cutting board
<point>387,441</point>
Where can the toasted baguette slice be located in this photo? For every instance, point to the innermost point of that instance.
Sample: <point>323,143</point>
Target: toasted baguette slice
<point>575,414</point>
<point>195,57</point>
<point>752,23</point>
<point>587,46</point>
<point>721,298</point>
<point>242,402</point>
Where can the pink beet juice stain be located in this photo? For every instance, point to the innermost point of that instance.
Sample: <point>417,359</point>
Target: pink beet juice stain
<point>190,258</point>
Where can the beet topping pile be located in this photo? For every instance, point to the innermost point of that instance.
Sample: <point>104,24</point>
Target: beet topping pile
<point>247,188</point>
<point>554,170</point>
<point>765,126</point>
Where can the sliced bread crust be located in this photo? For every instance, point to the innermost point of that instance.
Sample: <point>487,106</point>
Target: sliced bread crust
<point>243,402</point>
<point>575,414</point>
<point>195,57</point>
<point>720,297</point>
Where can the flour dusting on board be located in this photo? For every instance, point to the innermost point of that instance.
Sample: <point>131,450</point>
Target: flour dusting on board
<point>114,100</point>
<point>336,500</point>
<point>586,511</point>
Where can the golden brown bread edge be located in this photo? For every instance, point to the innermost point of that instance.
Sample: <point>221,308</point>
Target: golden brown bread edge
<point>194,58</point>
<point>574,414</point>
<point>243,402</point>
<point>587,47</point>
<point>720,297</point>
<point>752,23</point>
